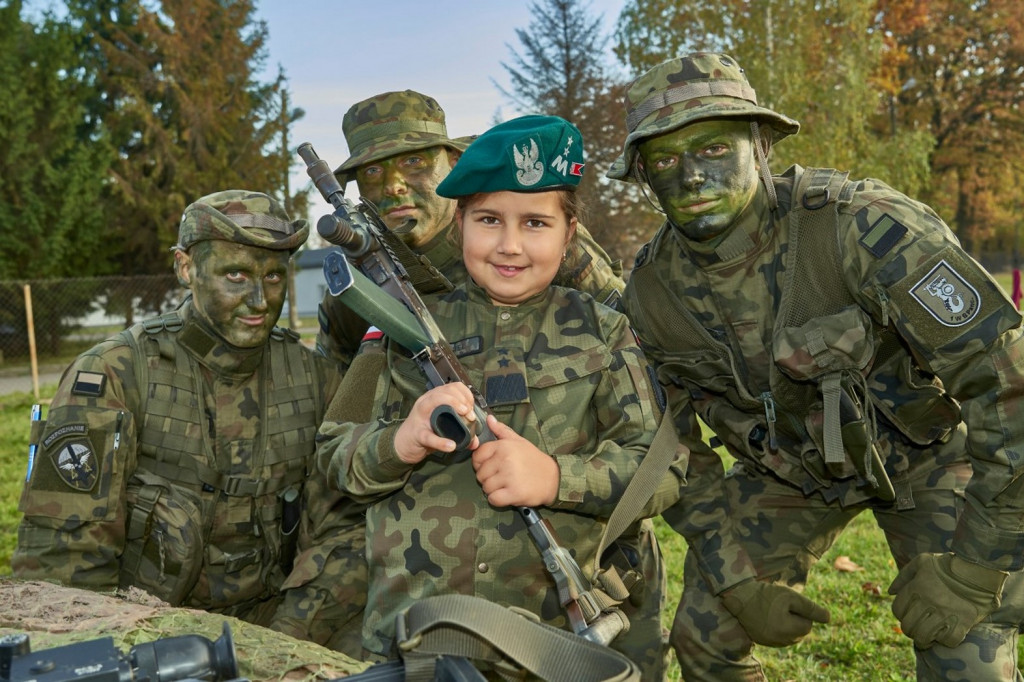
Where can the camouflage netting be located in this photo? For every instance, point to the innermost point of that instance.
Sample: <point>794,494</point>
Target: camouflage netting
<point>54,616</point>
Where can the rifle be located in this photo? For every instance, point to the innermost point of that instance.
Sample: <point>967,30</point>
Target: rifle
<point>187,657</point>
<point>371,248</point>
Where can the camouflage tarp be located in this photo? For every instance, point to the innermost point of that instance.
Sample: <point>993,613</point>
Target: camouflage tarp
<point>54,616</point>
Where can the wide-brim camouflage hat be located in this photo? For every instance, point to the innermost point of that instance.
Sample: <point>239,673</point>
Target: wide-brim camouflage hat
<point>685,90</point>
<point>392,123</point>
<point>241,217</point>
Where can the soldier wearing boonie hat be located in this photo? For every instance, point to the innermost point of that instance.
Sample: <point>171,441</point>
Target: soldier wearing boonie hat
<point>387,133</point>
<point>242,217</point>
<point>190,435</point>
<point>851,357</point>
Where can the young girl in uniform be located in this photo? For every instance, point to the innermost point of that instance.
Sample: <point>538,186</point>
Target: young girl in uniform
<point>573,408</point>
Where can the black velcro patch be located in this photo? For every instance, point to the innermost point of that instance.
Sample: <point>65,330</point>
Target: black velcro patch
<point>89,384</point>
<point>502,389</point>
<point>883,235</point>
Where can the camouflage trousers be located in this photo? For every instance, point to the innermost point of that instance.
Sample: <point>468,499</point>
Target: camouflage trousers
<point>324,598</point>
<point>785,533</point>
<point>646,642</point>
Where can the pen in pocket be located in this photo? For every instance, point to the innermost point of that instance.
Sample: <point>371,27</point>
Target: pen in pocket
<point>36,415</point>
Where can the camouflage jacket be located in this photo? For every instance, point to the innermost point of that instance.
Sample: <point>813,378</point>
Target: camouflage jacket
<point>895,327</point>
<point>594,272</point>
<point>564,372</point>
<point>175,487</point>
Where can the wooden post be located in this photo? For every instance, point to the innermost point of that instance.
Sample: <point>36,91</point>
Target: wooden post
<point>31,340</point>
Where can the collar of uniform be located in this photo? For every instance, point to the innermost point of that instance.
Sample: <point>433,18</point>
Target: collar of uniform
<point>478,295</point>
<point>440,250</point>
<point>745,235</point>
<point>212,352</point>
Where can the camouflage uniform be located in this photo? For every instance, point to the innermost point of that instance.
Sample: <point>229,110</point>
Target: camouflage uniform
<point>396,123</point>
<point>561,370</point>
<point>168,455</point>
<point>866,365</point>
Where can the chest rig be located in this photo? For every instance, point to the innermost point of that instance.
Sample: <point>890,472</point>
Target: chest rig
<point>177,467</point>
<point>818,407</point>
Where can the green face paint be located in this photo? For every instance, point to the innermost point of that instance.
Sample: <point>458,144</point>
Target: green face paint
<point>703,174</point>
<point>238,290</point>
<point>403,187</point>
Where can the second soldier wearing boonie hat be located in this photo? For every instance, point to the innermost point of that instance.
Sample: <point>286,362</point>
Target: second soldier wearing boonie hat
<point>392,123</point>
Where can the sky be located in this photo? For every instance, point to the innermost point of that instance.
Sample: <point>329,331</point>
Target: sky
<point>338,52</point>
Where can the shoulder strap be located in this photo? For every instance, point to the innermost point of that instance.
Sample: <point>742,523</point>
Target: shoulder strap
<point>641,487</point>
<point>481,630</point>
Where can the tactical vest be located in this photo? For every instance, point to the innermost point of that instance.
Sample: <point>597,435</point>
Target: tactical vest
<point>825,348</point>
<point>175,497</point>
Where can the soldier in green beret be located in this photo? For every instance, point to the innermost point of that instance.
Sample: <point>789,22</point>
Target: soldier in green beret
<point>176,454</point>
<point>851,356</point>
<point>574,402</point>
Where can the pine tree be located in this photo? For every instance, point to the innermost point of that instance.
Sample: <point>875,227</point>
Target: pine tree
<point>562,71</point>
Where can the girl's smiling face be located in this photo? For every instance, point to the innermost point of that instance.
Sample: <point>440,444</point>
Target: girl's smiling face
<point>514,242</point>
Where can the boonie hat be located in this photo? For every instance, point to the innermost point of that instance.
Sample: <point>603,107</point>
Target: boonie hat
<point>527,154</point>
<point>687,89</point>
<point>242,217</point>
<point>392,123</point>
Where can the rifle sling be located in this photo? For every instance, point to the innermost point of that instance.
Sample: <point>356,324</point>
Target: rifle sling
<point>480,630</point>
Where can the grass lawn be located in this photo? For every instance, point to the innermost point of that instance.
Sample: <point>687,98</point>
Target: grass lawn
<point>863,641</point>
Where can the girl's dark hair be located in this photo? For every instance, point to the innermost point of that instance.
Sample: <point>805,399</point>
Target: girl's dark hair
<point>572,206</point>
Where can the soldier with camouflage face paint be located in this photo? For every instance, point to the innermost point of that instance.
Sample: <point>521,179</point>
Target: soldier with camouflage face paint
<point>562,373</point>
<point>851,356</point>
<point>175,454</point>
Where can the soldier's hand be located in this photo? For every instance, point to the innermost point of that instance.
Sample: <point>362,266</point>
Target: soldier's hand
<point>773,615</point>
<point>939,597</point>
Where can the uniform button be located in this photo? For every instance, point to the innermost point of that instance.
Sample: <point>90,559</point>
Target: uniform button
<point>505,315</point>
<point>482,567</point>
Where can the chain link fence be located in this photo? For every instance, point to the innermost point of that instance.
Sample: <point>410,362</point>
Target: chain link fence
<point>50,321</point>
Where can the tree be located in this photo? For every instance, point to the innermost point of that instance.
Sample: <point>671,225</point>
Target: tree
<point>818,61</point>
<point>182,105</point>
<point>961,66</point>
<point>52,178</point>
<point>51,220</point>
<point>562,72</point>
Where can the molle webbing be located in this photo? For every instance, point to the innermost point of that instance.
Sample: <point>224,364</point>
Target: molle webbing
<point>814,285</point>
<point>172,408</point>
